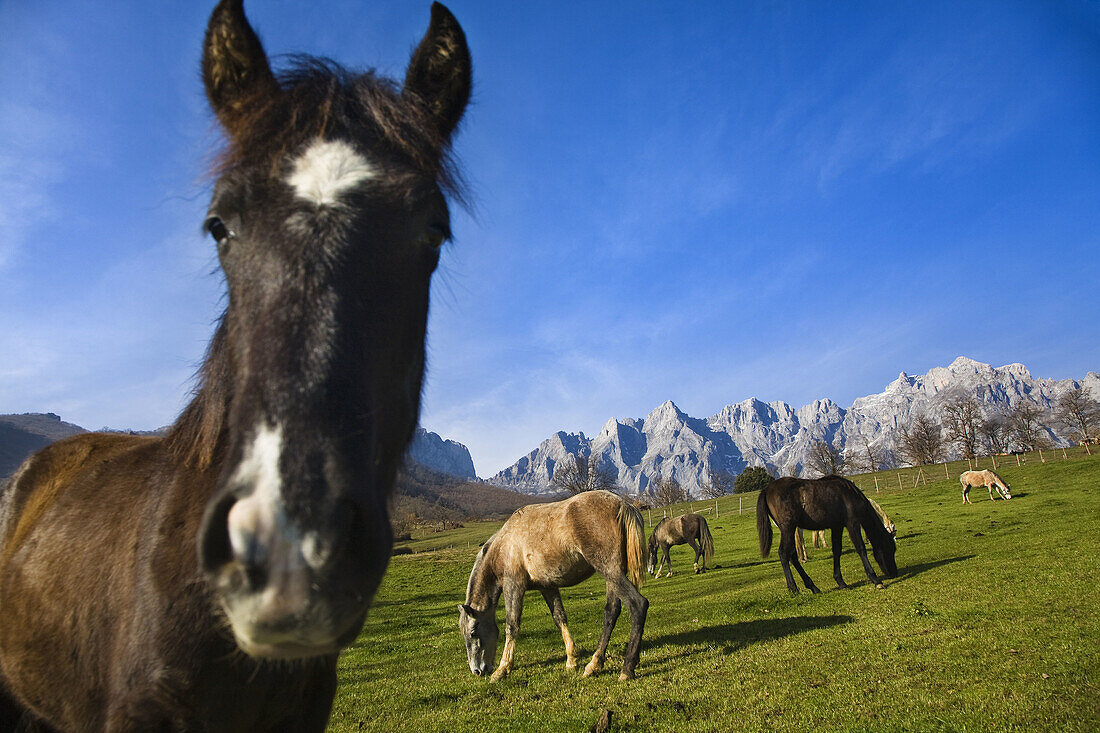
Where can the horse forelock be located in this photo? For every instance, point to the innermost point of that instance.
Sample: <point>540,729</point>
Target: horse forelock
<point>320,100</point>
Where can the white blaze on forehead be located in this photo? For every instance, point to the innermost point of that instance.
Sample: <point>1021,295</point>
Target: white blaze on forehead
<point>260,514</point>
<point>327,169</point>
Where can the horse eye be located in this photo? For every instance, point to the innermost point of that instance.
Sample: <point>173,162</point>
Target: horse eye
<point>218,230</point>
<point>434,236</point>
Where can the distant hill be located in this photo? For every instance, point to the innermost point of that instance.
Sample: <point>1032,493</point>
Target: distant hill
<point>21,435</point>
<point>445,488</point>
<point>431,495</point>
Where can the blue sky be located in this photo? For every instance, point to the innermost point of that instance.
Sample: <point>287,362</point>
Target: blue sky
<point>701,202</point>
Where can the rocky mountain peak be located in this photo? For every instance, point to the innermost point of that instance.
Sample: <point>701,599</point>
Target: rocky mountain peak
<point>670,443</point>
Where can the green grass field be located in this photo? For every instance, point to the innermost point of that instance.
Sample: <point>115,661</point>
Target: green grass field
<point>993,623</point>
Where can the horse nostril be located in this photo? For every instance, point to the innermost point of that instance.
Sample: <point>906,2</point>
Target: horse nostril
<point>214,543</point>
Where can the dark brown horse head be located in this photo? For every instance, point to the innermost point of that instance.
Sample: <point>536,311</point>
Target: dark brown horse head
<point>884,548</point>
<point>328,216</point>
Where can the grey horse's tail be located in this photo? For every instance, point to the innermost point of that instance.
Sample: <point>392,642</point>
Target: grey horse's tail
<point>634,536</point>
<point>706,541</point>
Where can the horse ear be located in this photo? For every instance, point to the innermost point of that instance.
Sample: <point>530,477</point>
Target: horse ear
<point>235,69</point>
<point>440,72</point>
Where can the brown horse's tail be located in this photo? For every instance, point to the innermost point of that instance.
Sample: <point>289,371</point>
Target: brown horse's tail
<point>763,524</point>
<point>634,535</point>
<point>706,541</point>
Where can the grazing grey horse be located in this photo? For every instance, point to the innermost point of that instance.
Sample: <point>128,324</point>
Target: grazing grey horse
<point>984,478</point>
<point>687,529</point>
<point>545,547</point>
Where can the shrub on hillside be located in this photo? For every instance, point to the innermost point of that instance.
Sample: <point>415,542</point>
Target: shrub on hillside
<point>754,478</point>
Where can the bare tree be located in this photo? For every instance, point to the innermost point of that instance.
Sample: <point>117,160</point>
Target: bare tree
<point>962,419</point>
<point>824,459</point>
<point>865,456</point>
<point>717,484</point>
<point>1026,425</point>
<point>921,442</point>
<point>669,491</point>
<point>1079,415</point>
<point>583,474</point>
<point>995,433</point>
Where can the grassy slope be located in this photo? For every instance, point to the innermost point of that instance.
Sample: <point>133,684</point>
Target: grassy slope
<point>992,624</point>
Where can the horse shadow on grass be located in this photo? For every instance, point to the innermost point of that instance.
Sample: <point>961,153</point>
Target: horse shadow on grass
<point>736,636</point>
<point>911,570</point>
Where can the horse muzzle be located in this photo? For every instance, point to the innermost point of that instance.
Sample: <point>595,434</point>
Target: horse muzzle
<point>289,592</point>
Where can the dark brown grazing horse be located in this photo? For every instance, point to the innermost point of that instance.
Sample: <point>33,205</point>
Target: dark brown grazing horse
<point>686,529</point>
<point>208,579</point>
<point>832,503</point>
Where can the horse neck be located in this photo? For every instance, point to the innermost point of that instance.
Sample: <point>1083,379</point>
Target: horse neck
<point>870,520</point>
<point>483,590</point>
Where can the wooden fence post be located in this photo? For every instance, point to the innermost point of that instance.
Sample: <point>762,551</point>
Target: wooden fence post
<point>1041,459</point>
<point>876,482</point>
<point>900,484</point>
<point>945,473</point>
<point>739,505</point>
<point>1064,456</point>
<point>716,509</point>
<point>1017,460</point>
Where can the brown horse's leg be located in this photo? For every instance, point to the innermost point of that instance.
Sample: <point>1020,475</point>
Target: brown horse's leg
<point>990,491</point>
<point>838,538</point>
<point>966,490</point>
<point>611,610</point>
<point>800,545</point>
<point>513,609</point>
<point>857,540</point>
<point>788,557</point>
<point>668,559</point>
<point>557,611</point>
<point>698,554</point>
<point>638,606</point>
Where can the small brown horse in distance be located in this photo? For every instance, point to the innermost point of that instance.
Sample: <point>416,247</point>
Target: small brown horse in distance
<point>545,547</point>
<point>985,478</point>
<point>208,579</point>
<point>686,529</point>
<point>832,503</point>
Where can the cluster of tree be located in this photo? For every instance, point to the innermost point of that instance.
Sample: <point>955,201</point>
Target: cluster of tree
<point>721,483</point>
<point>963,427</point>
<point>972,431</point>
<point>423,496</point>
